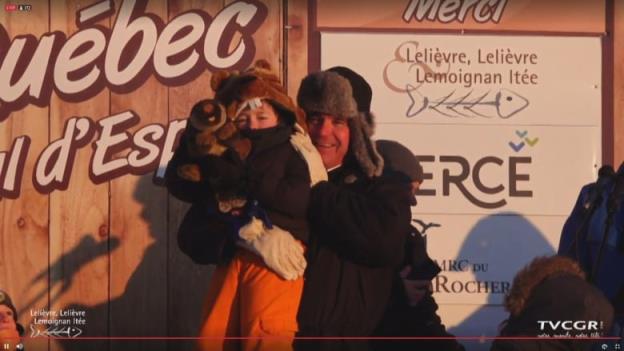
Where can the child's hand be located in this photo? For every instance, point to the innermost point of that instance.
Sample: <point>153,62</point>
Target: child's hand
<point>303,145</point>
<point>277,247</point>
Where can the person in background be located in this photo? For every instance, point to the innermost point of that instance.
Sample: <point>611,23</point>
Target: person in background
<point>593,235</point>
<point>412,310</point>
<point>546,293</point>
<point>10,329</point>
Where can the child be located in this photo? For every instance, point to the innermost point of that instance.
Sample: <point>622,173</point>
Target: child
<point>245,297</point>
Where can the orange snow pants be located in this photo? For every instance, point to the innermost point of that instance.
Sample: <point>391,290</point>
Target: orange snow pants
<point>248,300</point>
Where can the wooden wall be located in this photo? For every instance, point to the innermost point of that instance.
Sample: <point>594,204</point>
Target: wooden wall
<point>110,249</point>
<point>25,240</point>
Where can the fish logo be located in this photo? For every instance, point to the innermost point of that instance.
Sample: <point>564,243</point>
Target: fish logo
<point>58,332</point>
<point>503,104</point>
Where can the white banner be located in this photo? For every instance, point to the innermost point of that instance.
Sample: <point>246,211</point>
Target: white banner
<point>507,128</point>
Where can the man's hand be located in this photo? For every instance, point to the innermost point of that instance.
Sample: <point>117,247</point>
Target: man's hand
<point>303,145</point>
<point>277,248</point>
<point>415,290</point>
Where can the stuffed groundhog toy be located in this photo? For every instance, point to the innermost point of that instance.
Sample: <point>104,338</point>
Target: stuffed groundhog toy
<point>211,129</point>
<point>210,132</point>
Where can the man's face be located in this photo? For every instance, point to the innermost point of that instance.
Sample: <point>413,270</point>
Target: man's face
<point>330,135</point>
<point>6,318</point>
<point>415,186</point>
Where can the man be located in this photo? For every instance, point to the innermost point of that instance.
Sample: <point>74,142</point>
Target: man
<point>359,222</point>
<point>412,308</point>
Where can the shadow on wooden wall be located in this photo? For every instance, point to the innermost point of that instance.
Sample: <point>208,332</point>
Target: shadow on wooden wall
<point>135,317</point>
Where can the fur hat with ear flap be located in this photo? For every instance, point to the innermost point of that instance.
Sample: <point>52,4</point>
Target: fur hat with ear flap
<point>362,92</point>
<point>237,90</point>
<point>331,93</point>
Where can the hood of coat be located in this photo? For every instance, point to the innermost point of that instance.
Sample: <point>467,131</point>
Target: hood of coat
<point>547,294</point>
<point>527,279</point>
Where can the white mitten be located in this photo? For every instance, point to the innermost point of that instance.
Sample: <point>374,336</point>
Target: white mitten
<point>252,230</point>
<point>302,143</point>
<point>277,248</point>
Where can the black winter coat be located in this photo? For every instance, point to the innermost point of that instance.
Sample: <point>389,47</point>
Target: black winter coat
<point>359,227</point>
<point>278,178</point>
<point>402,320</point>
<point>560,297</point>
<point>275,175</point>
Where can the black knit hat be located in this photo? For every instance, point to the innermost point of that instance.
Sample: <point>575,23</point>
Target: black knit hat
<point>400,159</point>
<point>5,299</point>
<point>331,93</point>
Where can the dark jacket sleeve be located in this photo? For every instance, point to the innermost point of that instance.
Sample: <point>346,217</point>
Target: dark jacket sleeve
<point>567,241</point>
<point>203,235</point>
<point>423,267</point>
<point>205,238</point>
<point>180,188</point>
<point>368,227</point>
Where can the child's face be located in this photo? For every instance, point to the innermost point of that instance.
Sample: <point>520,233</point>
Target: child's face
<point>258,118</point>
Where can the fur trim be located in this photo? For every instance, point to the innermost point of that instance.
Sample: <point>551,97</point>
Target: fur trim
<point>363,147</point>
<point>533,274</point>
<point>233,89</point>
<point>362,92</point>
<point>327,92</point>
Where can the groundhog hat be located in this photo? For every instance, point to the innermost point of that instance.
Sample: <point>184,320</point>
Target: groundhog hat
<point>330,93</point>
<point>235,90</point>
<point>5,299</point>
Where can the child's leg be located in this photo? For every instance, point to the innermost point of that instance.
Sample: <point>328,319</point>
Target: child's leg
<point>268,306</point>
<point>222,309</point>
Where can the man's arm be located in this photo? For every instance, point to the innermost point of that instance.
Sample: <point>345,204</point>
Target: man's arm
<point>369,227</point>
